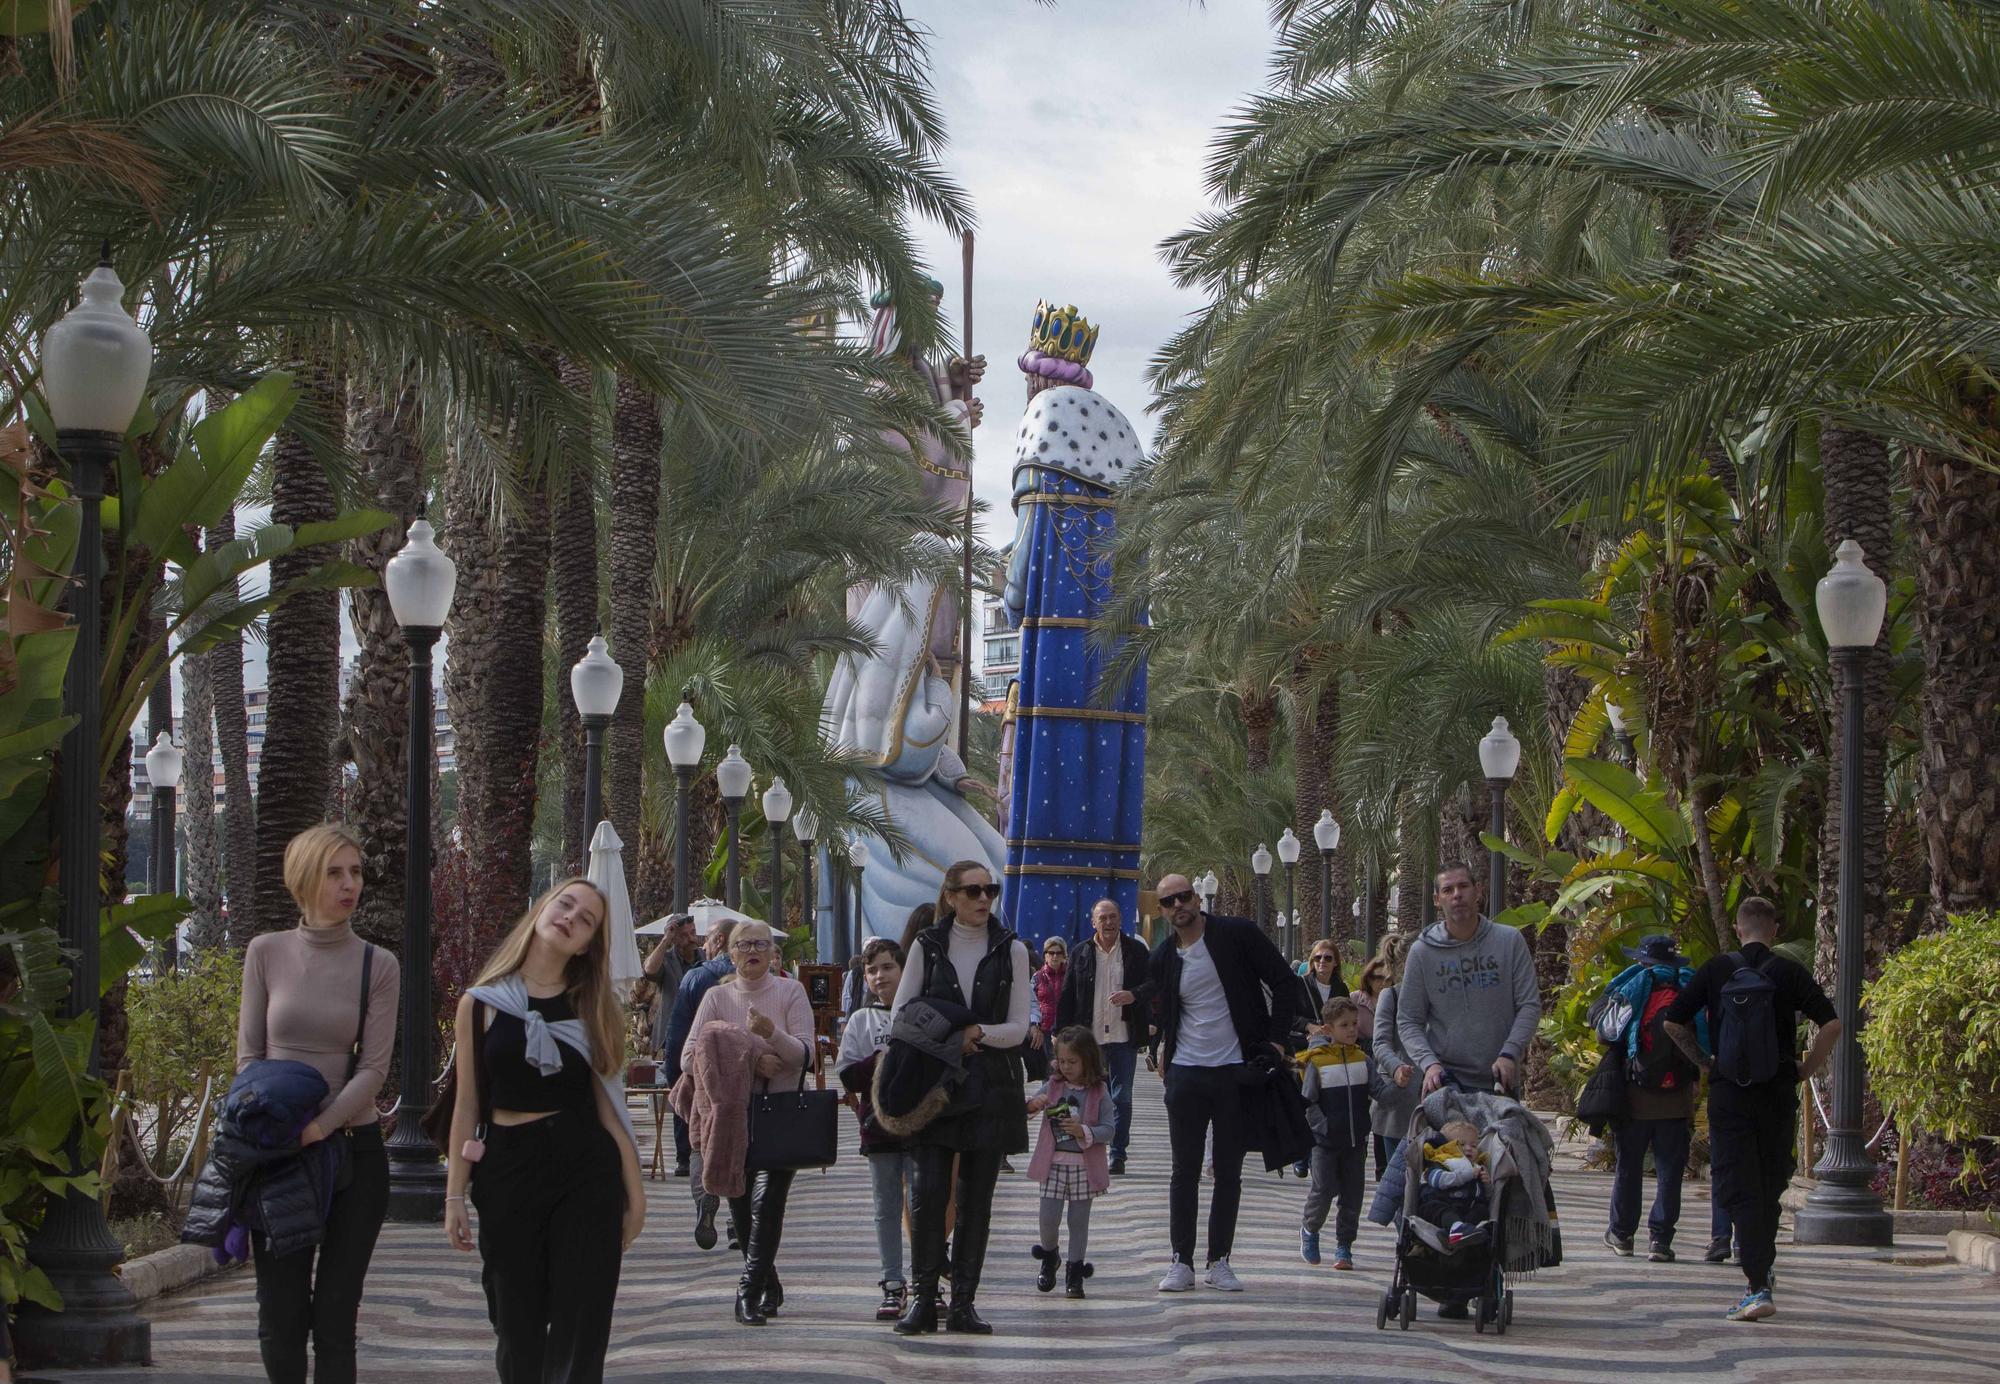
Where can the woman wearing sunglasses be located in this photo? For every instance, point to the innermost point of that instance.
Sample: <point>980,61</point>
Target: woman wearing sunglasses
<point>968,958</point>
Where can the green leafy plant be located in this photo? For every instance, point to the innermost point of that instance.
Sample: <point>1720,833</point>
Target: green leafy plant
<point>179,1024</point>
<point>1932,1037</point>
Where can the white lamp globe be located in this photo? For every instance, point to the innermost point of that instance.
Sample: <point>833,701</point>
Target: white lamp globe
<point>684,737</point>
<point>1326,831</point>
<point>777,801</point>
<point>732,776</point>
<point>1499,751</point>
<point>420,580</point>
<point>96,360</point>
<point>163,762</point>
<point>1852,600</point>
<point>1260,859</point>
<point>805,826</point>
<point>596,682</point>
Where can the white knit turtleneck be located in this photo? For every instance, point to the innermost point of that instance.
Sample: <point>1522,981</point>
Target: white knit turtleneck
<point>965,950</point>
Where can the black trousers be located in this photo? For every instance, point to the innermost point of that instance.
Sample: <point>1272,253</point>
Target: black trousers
<point>1198,1098</point>
<point>1750,1133</point>
<point>931,1190</point>
<point>759,1218</point>
<point>316,1292</point>
<point>551,1202</point>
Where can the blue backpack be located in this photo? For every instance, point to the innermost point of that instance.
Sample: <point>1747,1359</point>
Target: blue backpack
<point>1746,1025</point>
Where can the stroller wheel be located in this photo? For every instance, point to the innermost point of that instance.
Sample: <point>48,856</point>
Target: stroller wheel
<point>1409,1307</point>
<point>1382,1310</point>
<point>1507,1309</point>
<point>1479,1315</point>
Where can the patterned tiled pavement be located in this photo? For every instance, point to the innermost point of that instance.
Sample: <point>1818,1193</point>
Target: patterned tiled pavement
<point>1912,1315</point>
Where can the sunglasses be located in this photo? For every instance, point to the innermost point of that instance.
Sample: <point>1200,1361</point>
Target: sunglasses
<point>1172,900</point>
<point>1054,951</point>
<point>978,891</point>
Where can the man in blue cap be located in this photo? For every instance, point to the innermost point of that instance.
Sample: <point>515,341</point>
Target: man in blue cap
<point>1660,1084</point>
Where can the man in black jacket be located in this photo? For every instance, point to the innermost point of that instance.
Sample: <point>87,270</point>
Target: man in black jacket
<point>1225,995</point>
<point>1101,992</point>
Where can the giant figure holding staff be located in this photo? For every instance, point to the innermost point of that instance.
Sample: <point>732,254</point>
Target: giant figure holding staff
<point>897,707</point>
<point>1076,783</point>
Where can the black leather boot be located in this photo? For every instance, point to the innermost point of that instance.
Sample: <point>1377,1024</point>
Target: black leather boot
<point>750,1298</point>
<point>765,1224</point>
<point>1045,1276</point>
<point>774,1294</point>
<point>930,1192</point>
<point>976,1176</point>
<point>1074,1272</point>
<point>920,1310</point>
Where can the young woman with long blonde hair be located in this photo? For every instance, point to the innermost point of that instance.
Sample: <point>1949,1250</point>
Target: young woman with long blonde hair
<point>318,994</point>
<point>546,1147</point>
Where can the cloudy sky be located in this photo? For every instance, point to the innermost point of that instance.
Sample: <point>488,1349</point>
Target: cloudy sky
<point>1080,129</point>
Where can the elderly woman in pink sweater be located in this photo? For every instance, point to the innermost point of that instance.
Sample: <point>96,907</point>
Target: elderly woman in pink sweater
<point>775,1010</point>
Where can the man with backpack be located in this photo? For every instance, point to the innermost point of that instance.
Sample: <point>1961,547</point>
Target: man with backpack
<point>1659,1098</point>
<point>1753,1000</point>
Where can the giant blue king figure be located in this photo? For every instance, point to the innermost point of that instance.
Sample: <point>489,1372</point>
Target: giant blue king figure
<point>1074,750</point>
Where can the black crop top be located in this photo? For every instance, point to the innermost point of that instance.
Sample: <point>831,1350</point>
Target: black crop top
<point>519,1085</point>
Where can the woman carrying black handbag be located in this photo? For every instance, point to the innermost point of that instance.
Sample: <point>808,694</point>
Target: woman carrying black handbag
<point>776,1010</point>
<point>970,959</point>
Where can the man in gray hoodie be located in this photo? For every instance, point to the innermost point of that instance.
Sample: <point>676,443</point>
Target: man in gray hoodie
<point>1468,1004</point>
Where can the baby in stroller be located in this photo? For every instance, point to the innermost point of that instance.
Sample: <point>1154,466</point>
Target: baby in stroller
<point>1468,1195</point>
<point>1456,1181</point>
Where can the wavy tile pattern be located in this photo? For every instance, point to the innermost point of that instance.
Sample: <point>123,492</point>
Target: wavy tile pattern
<point>1844,1316</point>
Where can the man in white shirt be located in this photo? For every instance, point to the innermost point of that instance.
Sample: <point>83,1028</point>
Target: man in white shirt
<point>1101,993</point>
<point>1225,994</point>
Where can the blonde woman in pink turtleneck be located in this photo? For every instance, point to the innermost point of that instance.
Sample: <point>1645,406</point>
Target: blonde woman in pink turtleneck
<point>302,1001</point>
<point>775,1009</point>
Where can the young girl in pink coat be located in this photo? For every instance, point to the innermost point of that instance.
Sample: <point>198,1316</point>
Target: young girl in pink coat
<point>1070,1160</point>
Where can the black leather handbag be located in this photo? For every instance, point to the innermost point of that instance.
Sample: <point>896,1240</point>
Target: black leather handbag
<point>791,1130</point>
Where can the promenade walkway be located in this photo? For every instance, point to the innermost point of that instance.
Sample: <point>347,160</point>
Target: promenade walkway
<point>1843,1316</point>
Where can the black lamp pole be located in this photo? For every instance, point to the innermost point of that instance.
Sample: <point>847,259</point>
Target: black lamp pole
<point>1496,861</point>
<point>778,875</point>
<point>416,1177</point>
<point>853,944</point>
<point>808,903</point>
<point>594,727</point>
<point>1368,910</point>
<point>99,1323</point>
<point>160,868</point>
<point>683,786</point>
<point>1843,1208</point>
<point>732,878</point>
<point>1292,911</point>
<point>1326,893</point>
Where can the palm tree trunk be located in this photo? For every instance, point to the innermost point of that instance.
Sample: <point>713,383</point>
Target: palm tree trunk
<point>1258,707</point>
<point>197,802</point>
<point>575,562</point>
<point>387,441</point>
<point>635,544</point>
<point>302,717</point>
<point>493,684</point>
<point>1313,790</point>
<point>1955,520</point>
<point>232,741</point>
<point>1855,469</point>
<point>1414,859</point>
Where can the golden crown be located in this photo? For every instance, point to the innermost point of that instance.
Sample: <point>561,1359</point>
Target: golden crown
<point>1063,333</point>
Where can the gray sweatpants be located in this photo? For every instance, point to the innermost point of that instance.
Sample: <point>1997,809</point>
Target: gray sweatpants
<point>1341,1173</point>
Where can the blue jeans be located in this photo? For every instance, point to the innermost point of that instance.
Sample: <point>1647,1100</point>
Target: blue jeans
<point>892,1176</point>
<point>1121,1060</point>
<point>1668,1140</point>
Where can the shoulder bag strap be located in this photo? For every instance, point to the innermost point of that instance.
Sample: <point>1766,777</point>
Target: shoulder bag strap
<point>361,1024</point>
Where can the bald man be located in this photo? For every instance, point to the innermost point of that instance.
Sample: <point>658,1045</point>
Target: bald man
<point>1224,993</point>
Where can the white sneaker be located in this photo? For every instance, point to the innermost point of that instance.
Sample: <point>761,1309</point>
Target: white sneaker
<point>1179,1279</point>
<point>1222,1278</point>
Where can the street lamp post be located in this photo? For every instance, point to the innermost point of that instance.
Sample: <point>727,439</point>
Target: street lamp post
<point>163,771</point>
<point>1288,851</point>
<point>1326,835</point>
<point>95,362</point>
<point>857,856</point>
<point>1260,866</point>
<point>1842,1208</point>
<point>684,737</point>
<point>732,780</point>
<point>1622,734</point>
<point>1206,887</point>
<point>1499,756</point>
<point>777,809</point>
<point>420,581</point>
<point>805,827</point>
<point>595,684</point>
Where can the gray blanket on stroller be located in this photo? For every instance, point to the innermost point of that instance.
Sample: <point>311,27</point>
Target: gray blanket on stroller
<point>1516,1144</point>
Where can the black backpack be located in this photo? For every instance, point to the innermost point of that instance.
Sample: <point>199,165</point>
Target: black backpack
<point>1746,1025</point>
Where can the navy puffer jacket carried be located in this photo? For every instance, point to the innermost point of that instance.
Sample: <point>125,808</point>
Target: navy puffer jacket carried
<point>257,1178</point>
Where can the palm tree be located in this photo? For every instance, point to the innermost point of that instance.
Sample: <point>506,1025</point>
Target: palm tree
<point>232,741</point>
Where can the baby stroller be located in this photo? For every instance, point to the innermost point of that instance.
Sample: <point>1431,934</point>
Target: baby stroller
<point>1474,1266</point>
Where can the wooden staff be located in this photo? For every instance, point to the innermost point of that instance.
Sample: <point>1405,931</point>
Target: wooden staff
<point>965,591</point>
